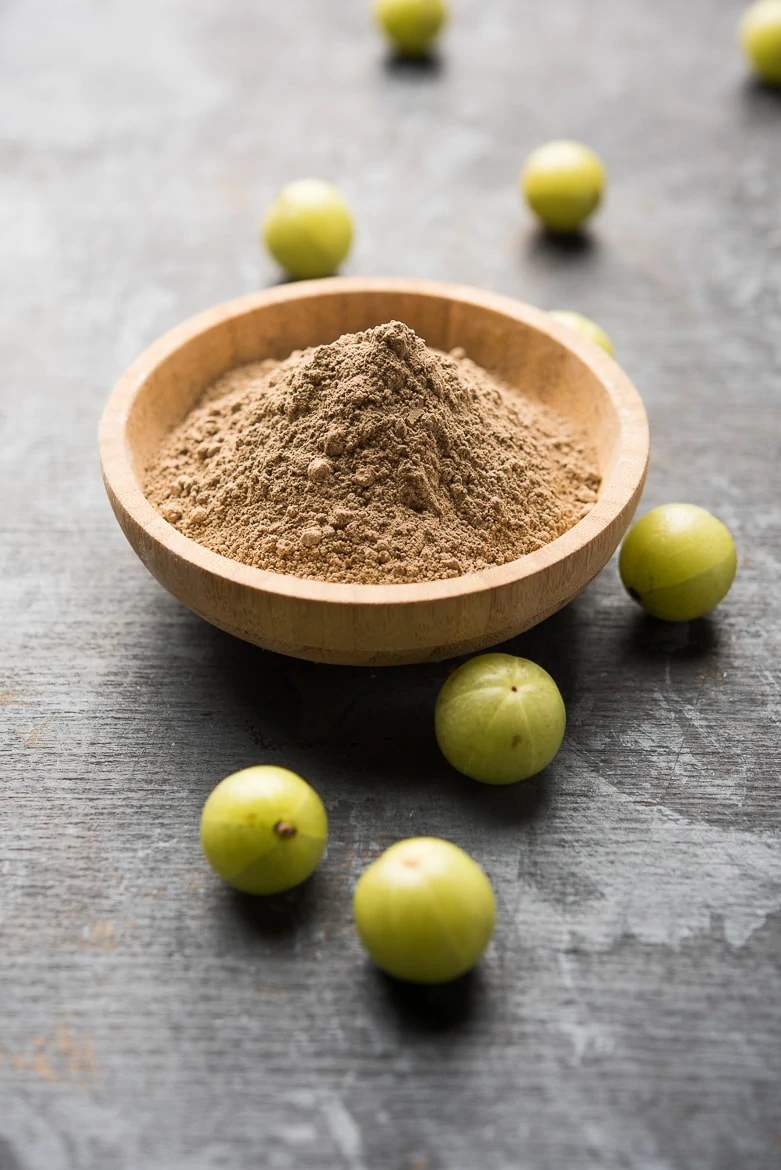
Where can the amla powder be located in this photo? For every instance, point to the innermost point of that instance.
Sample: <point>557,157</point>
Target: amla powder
<point>372,459</point>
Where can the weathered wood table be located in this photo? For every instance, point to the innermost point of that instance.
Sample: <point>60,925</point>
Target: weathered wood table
<point>627,1015</point>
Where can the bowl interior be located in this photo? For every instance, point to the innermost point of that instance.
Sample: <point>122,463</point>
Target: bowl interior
<point>529,353</point>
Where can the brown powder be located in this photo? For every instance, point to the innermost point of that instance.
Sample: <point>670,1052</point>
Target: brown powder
<point>373,459</point>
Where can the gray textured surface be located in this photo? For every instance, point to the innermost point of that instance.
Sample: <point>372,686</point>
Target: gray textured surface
<point>627,1015</point>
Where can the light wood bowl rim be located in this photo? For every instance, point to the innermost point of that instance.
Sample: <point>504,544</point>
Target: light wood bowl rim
<point>619,485</point>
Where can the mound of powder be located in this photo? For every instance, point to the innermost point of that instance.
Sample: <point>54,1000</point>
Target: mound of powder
<point>372,459</point>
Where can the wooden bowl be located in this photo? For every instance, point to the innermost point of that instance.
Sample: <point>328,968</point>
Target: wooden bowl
<point>375,624</point>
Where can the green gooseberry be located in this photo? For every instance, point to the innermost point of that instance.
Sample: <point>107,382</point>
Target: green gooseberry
<point>263,830</point>
<point>563,183</point>
<point>585,326</point>
<point>411,25</point>
<point>759,33</point>
<point>499,719</point>
<point>678,562</point>
<point>308,229</point>
<point>425,910</point>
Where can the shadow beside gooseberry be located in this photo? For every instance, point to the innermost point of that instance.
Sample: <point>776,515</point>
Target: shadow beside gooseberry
<point>279,279</point>
<point>761,95</point>
<point>273,916</point>
<point>414,67</point>
<point>548,246</point>
<point>419,1007</point>
<point>282,278</point>
<point>649,637</point>
<point>509,804</point>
